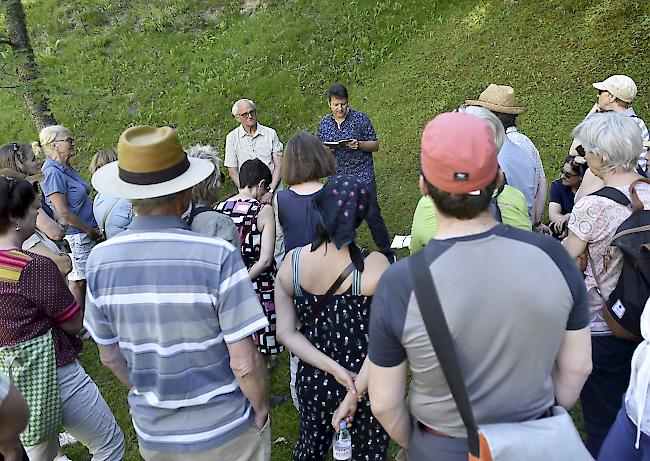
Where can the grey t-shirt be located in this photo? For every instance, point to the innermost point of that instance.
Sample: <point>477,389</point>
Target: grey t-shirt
<point>214,224</point>
<point>508,297</point>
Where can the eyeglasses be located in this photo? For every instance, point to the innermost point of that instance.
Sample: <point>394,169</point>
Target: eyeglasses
<point>567,175</point>
<point>251,113</point>
<point>602,91</point>
<point>70,140</point>
<point>580,150</point>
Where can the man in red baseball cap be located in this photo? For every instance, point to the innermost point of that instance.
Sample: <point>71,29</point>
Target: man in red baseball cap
<point>514,301</point>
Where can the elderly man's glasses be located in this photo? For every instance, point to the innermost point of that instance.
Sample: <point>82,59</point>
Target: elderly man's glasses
<point>250,113</point>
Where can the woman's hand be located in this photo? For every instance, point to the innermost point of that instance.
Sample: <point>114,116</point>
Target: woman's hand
<point>346,410</point>
<point>94,234</point>
<point>344,377</point>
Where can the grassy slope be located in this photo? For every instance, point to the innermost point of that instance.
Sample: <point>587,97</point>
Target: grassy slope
<point>114,63</point>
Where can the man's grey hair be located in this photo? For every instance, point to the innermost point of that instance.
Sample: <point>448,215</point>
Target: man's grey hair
<point>613,136</point>
<point>235,107</point>
<point>492,120</point>
<point>202,191</point>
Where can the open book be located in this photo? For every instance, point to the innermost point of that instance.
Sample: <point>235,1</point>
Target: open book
<point>336,144</point>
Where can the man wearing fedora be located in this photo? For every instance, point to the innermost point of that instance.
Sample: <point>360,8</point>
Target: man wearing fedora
<point>500,99</point>
<point>172,313</point>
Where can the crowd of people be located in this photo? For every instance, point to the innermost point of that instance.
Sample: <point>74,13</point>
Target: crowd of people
<point>190,298</point>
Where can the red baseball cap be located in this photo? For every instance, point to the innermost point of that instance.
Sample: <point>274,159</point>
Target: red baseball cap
<point>458,153</point>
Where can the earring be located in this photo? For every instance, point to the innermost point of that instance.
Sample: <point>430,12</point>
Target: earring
<point>17,227</point>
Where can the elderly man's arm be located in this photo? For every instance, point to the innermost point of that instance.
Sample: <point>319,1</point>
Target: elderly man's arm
<point>572,366</point>
<point>233,172</point>
<point>251,373</point>
<point>112,358</point>
<point>277,164</point>
<point>386,391</point>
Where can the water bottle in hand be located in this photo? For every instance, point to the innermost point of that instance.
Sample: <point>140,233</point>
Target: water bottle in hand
<point>342,443</point>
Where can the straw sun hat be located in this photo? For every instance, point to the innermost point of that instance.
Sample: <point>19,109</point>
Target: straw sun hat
<point>498,98</point>
<point>150,163</point>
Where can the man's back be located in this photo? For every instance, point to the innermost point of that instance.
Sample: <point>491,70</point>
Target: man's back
<point>519,169</point>
<point>508,296</point>
<point>173,299</point>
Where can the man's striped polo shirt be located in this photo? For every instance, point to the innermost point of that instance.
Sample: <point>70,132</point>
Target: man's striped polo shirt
<point>173,299</point>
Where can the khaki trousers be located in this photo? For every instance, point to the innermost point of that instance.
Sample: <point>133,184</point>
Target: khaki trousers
<point>252,445</point>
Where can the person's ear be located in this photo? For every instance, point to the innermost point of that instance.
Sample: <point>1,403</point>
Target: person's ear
<point>423,186</point>
<point>501,179</point>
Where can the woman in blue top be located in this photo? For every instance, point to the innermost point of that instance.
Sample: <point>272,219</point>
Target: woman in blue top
<point>113,215</point>
<point>306,161</point>
<point>67,194</point>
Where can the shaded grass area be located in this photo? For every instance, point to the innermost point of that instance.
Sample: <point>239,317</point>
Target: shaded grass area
<point>114,63</point>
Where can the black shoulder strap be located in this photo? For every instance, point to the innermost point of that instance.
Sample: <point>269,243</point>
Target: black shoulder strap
<point>613,194</point>
<point>442,342</point>
<point>323,300</point>
<point>194,211</point>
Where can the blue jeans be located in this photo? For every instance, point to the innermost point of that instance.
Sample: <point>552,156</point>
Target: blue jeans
<point>376,223</point>
<point>619,444</point>
<point>602,393</point>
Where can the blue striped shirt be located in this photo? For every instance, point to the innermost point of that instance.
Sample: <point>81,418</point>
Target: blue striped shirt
<point>172,300</point>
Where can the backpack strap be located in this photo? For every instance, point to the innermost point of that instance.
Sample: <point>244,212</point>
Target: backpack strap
<point>614,195</point>
<point>194,211</point>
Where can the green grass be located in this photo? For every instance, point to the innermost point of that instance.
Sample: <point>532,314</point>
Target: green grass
<point>110,64</point>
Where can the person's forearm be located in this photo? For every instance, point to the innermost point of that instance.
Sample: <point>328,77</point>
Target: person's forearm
<point>49,226</point>
<point>260,266</point>
<point>72,219</point>
<point>303,349</point>
<point>253,382</point>
<point>397,424</point>
<point>233,172</point>
<point>12,450</point>
<point>369,146</point>
<point>540,201</point>
<point>119,368</point>
<point>275,178</point>
<point>568,385</point>
<point>554,215</point>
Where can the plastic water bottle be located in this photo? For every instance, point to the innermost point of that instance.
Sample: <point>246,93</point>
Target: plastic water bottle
<point>342,443</point>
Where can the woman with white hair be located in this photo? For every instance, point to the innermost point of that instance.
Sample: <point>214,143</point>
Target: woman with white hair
<point>201,216</point>
<point>611,143</point>
<point>67,193</point>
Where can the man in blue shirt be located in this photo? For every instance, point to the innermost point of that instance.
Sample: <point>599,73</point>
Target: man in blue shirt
<point>357,140</point>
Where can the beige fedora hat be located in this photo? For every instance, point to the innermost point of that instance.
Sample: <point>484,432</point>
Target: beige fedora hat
<point>150,163</point>
<point>497,98</point>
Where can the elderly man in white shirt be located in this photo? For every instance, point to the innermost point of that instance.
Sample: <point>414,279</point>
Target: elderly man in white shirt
<point>252,140</point>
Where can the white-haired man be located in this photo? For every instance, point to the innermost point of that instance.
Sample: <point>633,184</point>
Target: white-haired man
<point>252,140</point>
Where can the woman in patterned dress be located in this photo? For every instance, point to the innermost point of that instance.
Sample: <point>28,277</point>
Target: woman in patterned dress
<point>332,346</point>
<point>255,223</point>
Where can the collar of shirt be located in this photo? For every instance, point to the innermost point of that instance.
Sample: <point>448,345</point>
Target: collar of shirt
<point>49,163</point>
<point>157,223</point>
<point>259,131</point>
<point>348,114</point>
<point>629,112</point>
<point>512,129</point>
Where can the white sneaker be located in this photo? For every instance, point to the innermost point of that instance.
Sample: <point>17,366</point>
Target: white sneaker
<point>65,439</point>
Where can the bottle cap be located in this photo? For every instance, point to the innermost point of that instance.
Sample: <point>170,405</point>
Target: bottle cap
<point>342,424</point>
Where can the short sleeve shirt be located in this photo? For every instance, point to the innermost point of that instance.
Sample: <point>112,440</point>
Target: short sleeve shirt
<point>562,195</point>
<point>240,146</point>
<point>594,220</point>
<point>357,126</point>
<point>34,299</point>
<point>120,214</point>
<point>493,288</point>
<point>63,179</point>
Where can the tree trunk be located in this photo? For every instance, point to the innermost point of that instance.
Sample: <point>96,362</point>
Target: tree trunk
<point>26,68</point>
